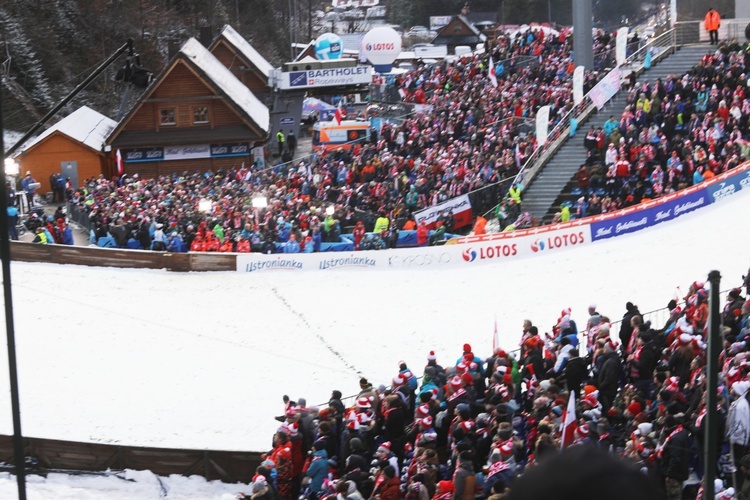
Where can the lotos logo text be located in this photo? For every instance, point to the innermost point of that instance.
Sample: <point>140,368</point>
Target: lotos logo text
<point>559,241</point>
<point>273,265</point>
<point>380,46</point>
<point>493,252</point>
<point>469,255</point>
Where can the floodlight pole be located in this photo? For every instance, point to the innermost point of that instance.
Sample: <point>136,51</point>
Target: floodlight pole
<point>711,441</point>
<point>18,454</point>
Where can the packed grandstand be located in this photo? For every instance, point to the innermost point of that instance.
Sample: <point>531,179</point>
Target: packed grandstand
<point>467,424</point>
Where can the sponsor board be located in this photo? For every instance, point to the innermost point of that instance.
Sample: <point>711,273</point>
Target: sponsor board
<point>728,186</point>
<point>460,205</point>
<point>624,224</point>
<point>142,154</point>
<point>560,240</point>
<point>255,262</point>
<point>357,75</point>
<point>425,259</point>
<point>347,261</point>
<point>489,252</point>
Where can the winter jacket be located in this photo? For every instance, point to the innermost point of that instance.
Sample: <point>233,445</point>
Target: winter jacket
<point>676,456</point>
<point>465,482</point>
<point>391,489</point>
<point>318,470</point>
<point>609,376</point>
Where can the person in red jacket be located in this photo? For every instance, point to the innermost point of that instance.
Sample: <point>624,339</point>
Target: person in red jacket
<point>227,246</point>
<point>198,245</point>
<point>390,489</point>
<point>358,233</point>
<point>243,246</point>
<point>422,234</point>
<point>212,242</point>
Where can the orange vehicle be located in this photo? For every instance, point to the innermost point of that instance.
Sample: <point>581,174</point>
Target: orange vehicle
<point>331,135</point>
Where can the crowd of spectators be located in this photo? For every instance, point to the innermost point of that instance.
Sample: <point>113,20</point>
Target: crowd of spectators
<point>672,134</point>
<point>470,136</point>
<point>468,426</point>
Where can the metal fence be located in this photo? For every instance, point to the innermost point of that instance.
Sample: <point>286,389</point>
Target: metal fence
<point>694,32</point>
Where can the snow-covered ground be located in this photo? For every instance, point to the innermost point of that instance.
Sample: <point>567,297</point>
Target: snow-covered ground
<point>152,358</point>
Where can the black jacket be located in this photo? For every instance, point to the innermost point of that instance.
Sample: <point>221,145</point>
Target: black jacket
<point>609,376</point>
<point>675,457</point>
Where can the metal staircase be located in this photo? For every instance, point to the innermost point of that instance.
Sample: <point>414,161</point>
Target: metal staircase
<point>546,192</point>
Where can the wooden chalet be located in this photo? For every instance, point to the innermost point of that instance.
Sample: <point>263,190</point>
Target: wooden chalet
<point>243,60</point>
<point>460,31</point>
<point>195,116</point>
<point>73,147</point>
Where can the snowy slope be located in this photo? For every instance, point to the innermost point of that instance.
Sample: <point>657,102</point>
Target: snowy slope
<point>161,359</point>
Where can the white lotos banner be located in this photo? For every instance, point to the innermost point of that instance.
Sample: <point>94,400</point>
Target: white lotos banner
<point>578,85</point>
<point>621,47</point>
<point>542,125</point>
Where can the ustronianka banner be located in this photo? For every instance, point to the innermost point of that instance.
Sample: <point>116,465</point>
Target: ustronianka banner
<point>578,85</point>
<point>460,205</point>
<point>542,125</point>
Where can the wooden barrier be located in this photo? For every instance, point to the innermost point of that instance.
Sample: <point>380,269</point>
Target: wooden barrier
<point>110,257</point>
<point>227,466</point>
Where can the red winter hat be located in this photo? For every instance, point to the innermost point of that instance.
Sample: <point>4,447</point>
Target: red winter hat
<point>398,381</point>
<point>590,400</point>
<point>502,354</point>
<point>635,408</point>
<point>582,431</point>
<point>461,367</point>
<point>456,382</point>
<point>364,402</point>
<point>426,422</point>
<point>467,348</point>
<point>423,410</point>
<point>506,448</point>
<point>467,378</point>
<point>431,356</point>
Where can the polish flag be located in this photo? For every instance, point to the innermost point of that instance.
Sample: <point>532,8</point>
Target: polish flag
<point>339,114</point>
<point>120,163</point>
<point>569,423</point>
<point>491,73</point>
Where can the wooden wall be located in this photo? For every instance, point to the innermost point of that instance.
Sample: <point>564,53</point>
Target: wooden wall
<point>227,466</point>
<point>241,68</point>
<point>44,159</point>
<point>109,257</point>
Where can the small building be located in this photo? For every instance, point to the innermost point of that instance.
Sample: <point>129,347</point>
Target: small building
<point>460,31</point>
<point>243,60</point>
<point>72,147</point>
<point>195,116</point>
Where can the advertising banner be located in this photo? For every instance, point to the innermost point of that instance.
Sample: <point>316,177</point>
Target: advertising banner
<point>187,152</point>
<point>460,205</point>
<point>606,88</point>
<point>578,85</point>
<point>727,187</point>
<point>621,45</point>
<point>358,75</point>
<point>142,154</point>
<point>542,125</point>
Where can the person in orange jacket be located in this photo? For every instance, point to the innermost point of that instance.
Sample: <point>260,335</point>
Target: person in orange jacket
<point>479,226</point>
<point>198,244</point>
<point>243,246</point>
<point>422,233</point>
<point>712,22</point>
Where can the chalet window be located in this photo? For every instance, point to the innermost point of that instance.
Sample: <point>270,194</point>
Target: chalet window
<point>167,116</point>
<point>200,114</point>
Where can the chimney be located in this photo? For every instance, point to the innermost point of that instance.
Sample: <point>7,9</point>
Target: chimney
<point>206,36</point>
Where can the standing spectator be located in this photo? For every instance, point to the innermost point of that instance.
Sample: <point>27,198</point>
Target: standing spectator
<point>422,233</point>
<point>738,426</point>
<point>27,183</point>
<point>280,141</point>
<point>12,222</point>
<point>712,22</point>
<point>291,142</point>
<point>674,457</point>
<point>464,479</point>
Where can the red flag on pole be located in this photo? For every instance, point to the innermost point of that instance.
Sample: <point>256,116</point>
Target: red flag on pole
<point>569,423</point>
<point>491,73</point>
<point>339,114</point>
<point>120,163</point>
<point>495,340</point>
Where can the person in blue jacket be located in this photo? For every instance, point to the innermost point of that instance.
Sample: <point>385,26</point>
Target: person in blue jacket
<point>318,469</point>
<point>291,246</point>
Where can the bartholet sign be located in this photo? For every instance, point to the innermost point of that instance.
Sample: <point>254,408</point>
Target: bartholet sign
<point>358,75</point>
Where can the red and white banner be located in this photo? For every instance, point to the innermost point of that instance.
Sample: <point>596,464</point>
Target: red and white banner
<point>606,88</point>
<point>460,205</point>
<point>120,163</point>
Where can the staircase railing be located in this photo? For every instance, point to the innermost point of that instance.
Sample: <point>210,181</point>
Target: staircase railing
<point>659,47</point>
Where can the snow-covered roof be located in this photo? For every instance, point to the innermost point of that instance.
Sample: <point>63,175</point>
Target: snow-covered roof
<point>227,82</point>
<point>247,50</point>
<point>84,125</point>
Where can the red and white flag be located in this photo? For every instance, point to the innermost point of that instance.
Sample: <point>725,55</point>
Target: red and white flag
<point>120,163</point>
<point>491,73</point>
<point>495,340</point>
<point>569,423</point>
<point>339,114</point>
